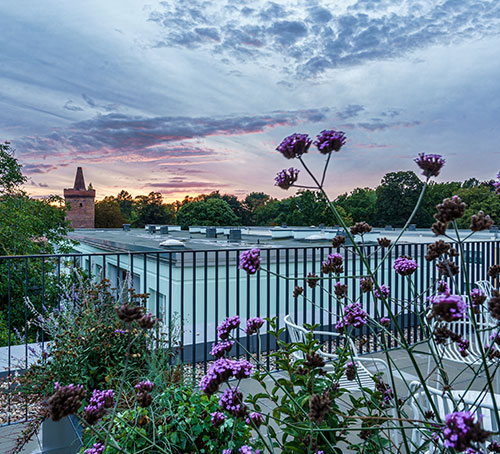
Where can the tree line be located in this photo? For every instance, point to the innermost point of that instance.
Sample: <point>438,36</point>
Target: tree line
<point>390,203</point>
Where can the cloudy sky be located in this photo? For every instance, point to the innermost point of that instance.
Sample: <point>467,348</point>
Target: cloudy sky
<point>189,96</point>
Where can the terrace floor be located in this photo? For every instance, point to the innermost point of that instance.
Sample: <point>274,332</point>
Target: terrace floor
<point>459,375</point>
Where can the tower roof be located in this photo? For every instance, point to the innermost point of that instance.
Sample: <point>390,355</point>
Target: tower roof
<point>79,180</point>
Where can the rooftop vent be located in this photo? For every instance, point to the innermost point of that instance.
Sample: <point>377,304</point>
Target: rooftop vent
<point>234,234</point>
<point>163,229</point>
<point>211,232</point>
<point>126,227</point>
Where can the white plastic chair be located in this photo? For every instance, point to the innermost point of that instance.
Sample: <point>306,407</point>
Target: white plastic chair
<point>465,328</point>
<point>486,287</point>
<point>477,402</point>
<point>364,376</point>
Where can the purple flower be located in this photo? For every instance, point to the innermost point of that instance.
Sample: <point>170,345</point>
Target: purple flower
<point>334,263</point>
<point>219,372</point>
<point>245,449</point>
<point>256,418</point>
<point>354,316</point>
<point>227,326</point>
<point>253,325</point>
<point>350,371</point>
<point>220,348</point>
<point>98,448</point>
<point>218,418</point>
<point>385,291</point>
<point>431,164</point>
<point>448,308</point>
<point>241,369</point>
<point>443,287</point>
<point>232,401</point>
<point>477,297</point>
<point>461,430</point>
<point>120,331</point>
<point>330,140</point>
<point>496,184</point>
<point>227,451</point>
<point>294,146</point>
<point>250,260</point>
<point>405,266</point>
<point>99,402</point>
<point>286,178</point>
<point>145,386</point>
<point>384,321</point>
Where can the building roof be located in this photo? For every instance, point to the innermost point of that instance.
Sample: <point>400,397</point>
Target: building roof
<point>142,240</point>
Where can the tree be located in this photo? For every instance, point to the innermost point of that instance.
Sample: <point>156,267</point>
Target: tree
<point>213,211</point>
<point>478,198</point>
<point>396,198</point>
<point>359,204</point>
<point>27,226</point>
<point>150,209</point>
<point>126,203</point>
<point>11,177</point>
<point>108,213</point>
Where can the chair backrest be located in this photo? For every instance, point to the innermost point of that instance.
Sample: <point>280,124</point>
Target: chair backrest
<point>297,334</point>
<point>473,401</point>
<point>465,328</point>
<point>486,287</point>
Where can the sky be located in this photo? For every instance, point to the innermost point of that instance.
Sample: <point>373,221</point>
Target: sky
<point>190,96</point>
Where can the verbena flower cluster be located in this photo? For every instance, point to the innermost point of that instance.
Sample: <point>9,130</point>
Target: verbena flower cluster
<point>99,403</point>
<point>294,146</point>
<point>250,260</point>
<point>461,430</point>
<point>286,178</point>
<point>220,348</point>
<point>496,184</point>
<point>255,418</point>
<point>431,164</point>
<point>253,325</point>
<point>334,263</point>
<point>225,328</point>
<point>98,448</point>
<point>330,140</point>
<point>448,308</point>
<point>222,370</point>
<point>231,400</point>
<point>405,266</point>
<point>143,389</point>
<point>218,418</point>
<point>478,298</point>
<point>354,316</point>
<point>385,291</point>
<point>65,401</point>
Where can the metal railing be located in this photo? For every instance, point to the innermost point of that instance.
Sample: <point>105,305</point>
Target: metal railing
<point>198,289</point>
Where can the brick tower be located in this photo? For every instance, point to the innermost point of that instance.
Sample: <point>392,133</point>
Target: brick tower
<point>80,202</point>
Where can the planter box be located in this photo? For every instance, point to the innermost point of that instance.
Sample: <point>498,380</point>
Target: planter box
<point>61,437</point>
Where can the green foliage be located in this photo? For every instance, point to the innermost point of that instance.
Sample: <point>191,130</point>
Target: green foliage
<point>108,213</point>
<point>213,211</point>
<point>11,176</point>
<point>126,203</point>
<point>478,198</point>
<point>88,342</point>
<point>397,195</point>
<point>306,208</point>
<point>360,204</point>
<point>150,209</point>
<point>291,398</point>
<point>178,421</point>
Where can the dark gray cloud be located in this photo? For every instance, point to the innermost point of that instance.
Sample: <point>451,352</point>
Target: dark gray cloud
<point>71,106</point>
<point>95,105</point>
<point>38,168</point>
<point>317,37</point>
<point>351,111</point>
<point>121,135</point>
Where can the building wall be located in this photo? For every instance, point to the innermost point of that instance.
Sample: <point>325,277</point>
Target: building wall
<point>81,213</point>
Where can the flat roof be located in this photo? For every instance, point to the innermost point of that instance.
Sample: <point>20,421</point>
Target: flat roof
<point>141,240</point>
